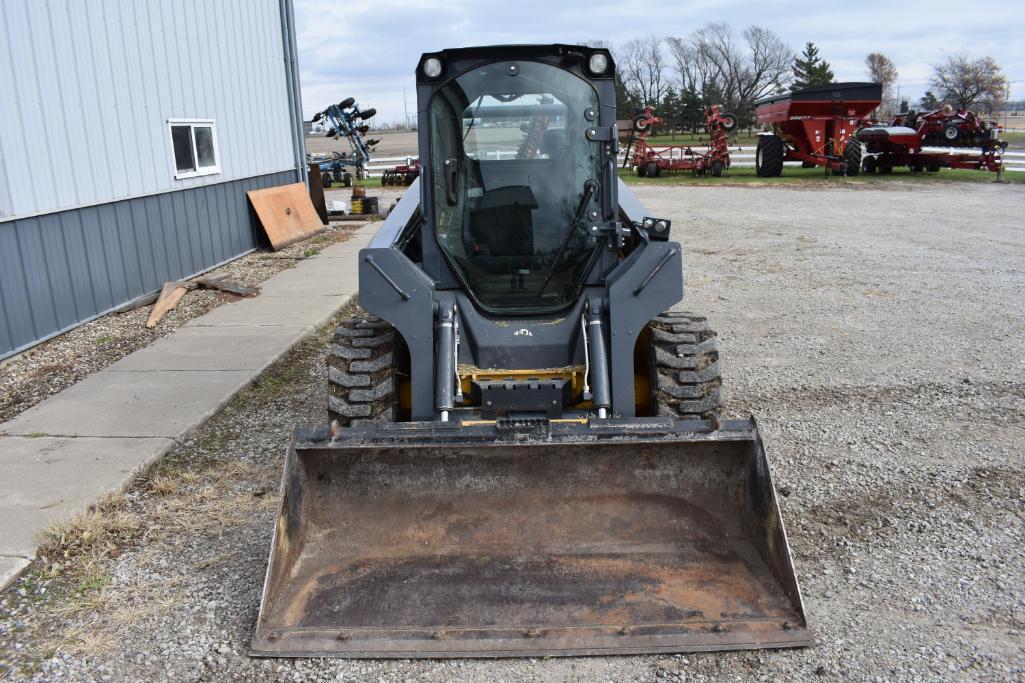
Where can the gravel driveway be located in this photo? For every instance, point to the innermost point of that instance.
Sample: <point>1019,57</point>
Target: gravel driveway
<point>876,334</point>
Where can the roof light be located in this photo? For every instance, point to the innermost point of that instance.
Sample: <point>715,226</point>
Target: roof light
<point>598,63</point>
<point>432,67</point>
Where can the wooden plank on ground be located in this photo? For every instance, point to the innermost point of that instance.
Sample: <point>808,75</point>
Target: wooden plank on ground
<point>169,297</point>
<point>226,286</point>
<point>286,213</point>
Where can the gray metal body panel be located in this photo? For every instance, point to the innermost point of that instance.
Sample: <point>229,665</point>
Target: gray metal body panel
<point>61,269</point>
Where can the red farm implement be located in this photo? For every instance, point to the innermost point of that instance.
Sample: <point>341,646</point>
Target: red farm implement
<point>830,126</point>
<point>651,161</point>
<point>812,125</point>
<point>403,174</point>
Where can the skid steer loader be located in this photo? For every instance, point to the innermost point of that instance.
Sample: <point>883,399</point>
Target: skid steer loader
<point>524,454</point>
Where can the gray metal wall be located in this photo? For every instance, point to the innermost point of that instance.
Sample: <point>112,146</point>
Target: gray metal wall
<point>87,87</point>
<point>63,268</point>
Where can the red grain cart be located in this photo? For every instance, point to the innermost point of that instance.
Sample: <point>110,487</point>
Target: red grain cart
<point>813,125</point>
<point>651,161</point>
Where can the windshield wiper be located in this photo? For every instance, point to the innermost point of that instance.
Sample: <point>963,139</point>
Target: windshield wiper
<point>590,187</point>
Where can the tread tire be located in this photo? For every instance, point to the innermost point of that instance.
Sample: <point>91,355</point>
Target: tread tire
<point>686,382</point>
<point>769,156</point>
<point>361,369</point>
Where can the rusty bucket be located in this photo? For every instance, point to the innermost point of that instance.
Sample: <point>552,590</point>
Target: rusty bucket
<point>475,540</point>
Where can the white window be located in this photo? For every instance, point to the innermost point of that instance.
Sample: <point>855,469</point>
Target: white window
<point>194,145</point>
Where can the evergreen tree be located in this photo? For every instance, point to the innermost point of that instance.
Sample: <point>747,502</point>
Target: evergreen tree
<point>625,100</point>
<point>810,69</point>
<point>929,102</point>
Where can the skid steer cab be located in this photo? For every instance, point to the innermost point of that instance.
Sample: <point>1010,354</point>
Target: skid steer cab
<point>523,453</point>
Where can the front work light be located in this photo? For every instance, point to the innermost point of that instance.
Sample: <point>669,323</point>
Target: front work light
<point>598,63</point>
<point>432,67</point>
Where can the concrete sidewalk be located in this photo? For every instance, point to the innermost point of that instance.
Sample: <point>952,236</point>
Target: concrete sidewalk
<point>96,436</point>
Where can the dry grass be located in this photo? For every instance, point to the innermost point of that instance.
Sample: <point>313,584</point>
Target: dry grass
<point>96,533</point>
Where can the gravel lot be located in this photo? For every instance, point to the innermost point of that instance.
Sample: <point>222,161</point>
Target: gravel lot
<point>877,335</point>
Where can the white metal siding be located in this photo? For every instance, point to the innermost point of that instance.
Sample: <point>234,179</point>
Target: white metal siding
<point>88,88</point>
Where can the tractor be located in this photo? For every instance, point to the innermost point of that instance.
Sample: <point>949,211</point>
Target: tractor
<point>523,452</point>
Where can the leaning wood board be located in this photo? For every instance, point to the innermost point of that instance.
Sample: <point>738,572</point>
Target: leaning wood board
<point>286,213</point>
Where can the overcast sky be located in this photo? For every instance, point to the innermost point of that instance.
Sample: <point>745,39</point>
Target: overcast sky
<point>369,50</point>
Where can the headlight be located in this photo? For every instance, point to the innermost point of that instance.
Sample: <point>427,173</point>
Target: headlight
<point>598,63</point>
<point>432,67</point>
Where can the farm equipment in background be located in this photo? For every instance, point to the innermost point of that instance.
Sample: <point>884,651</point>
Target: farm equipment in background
<point>523,453</point>
<point>812,125</point>
<point>403,174</point>
<point>651,161</point>
<point>347,120</point>
<point>947,127</point>
<point>831,126</point>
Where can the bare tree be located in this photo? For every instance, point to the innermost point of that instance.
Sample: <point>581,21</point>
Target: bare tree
<point>964,82</point>
<point>882,70</point>
<point>642,65</point>
<point>736,69</point>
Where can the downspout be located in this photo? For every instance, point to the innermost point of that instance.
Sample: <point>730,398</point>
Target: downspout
<point>292,81</point>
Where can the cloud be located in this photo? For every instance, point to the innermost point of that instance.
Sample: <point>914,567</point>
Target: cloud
<point>369,51</point>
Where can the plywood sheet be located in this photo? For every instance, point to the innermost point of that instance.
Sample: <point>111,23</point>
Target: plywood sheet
<point>286,214</point>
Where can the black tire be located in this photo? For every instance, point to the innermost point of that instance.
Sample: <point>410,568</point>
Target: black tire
<point>361,372</point>
<point>685,381</point>
<point>347,180</point>
<point>769,156</point>
<point>325,179</point>
<point>347,102</point>
<point>870,165</point>
<point>729,123</point>
<point>885,170</point>
<point>641,170</point>
<point>951,133</point>
<point>368,113</point>
<point>651,169</point>
<point>641,123</point>
<point>717,169</point>
<point>915,168</point>
<point>852,158</point>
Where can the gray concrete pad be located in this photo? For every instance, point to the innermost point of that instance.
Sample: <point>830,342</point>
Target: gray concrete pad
<point>294,282</point>
<point>48,478</point>
<point>305,311</point>
<point>131,404</point>
<point>213,348</point>
<point>10,569</point>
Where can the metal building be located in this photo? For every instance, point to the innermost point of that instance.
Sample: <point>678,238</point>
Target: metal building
<point>130,131</point>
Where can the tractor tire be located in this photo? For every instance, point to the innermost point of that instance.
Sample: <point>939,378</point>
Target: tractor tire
<point>869,165</point>
<point>347,102</point>
<point>769,156</point>
<point>717,168</point>
<point>325,179</point>
<point>852,157</point>
<point>361,373</point>
<point>347,180</point>
<point>685,381</point>
<point>652,170</point>
<point>885,170</point>
<point>951,133</point>
<point>729,123</point>
<point>641,124</point>
<point>641,170</point>
<point>368,114</point>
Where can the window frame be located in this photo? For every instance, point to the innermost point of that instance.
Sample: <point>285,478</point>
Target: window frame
<point>193,124</point>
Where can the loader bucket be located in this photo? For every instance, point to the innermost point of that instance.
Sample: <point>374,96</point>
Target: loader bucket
<point>576,538</point>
